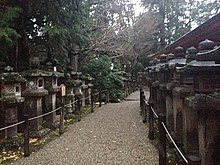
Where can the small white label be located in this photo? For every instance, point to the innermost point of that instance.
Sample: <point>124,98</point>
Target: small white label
<point>63,89</point>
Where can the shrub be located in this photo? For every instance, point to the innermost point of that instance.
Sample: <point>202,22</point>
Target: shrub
<point>104,78</point>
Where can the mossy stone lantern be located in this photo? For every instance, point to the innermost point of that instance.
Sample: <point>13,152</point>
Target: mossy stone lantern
<point>70,96</point>
<point>34,94</point>
<point>10,99</point>
<point>86,88</point>
<point>50,83</point>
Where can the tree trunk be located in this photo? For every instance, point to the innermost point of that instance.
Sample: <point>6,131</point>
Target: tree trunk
<point>162,25</point>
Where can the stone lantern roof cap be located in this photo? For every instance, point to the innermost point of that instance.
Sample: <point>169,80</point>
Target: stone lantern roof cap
<point>170,56</point>
<point>177,62</point>
<point>41,73</point>
<point>208,54</point>
<point>73,83</point>
<point>10,77</point>
<point>154,61</point>
<point>179,52</point>
<point>191,50</point>
<point>195,67</point>
<point>206,45</point>
<point>163,58</point>
<point>191,54</point>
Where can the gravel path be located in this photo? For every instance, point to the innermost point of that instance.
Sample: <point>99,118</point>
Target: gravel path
<point>113,135</point>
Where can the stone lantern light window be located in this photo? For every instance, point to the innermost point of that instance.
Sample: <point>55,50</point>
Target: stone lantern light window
<point>17,90</point>
<point>40,83</point>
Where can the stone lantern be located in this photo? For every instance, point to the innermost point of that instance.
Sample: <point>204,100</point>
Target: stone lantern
<point>155,83</point>
<point>207,79</point>
<point>34,94</point>
<point>73,90</point>
<point>10,99</point>
<point>78,84</point>
<point>161,70</point>
<point>50,83</point>
<point>177,93</point>
<point>69,97</point>
<point>86,88</point>
<point>190,133</point>
<point>206,101</point>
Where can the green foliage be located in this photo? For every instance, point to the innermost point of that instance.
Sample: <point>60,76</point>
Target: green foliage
<point>98,67</point>
<point>8,16</point>
<point>7,33</point>
<point>104,78</point>
<point>115,86</point>
<point>137,67</point>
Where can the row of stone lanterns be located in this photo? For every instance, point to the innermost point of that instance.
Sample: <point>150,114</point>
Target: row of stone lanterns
<point>36,92</point>
<point>184,86</point>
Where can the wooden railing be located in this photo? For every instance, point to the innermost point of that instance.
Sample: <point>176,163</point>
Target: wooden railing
<point>26,121</point>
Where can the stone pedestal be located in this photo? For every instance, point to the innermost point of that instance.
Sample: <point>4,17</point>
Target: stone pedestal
<point>163,93</point>
<point>84,94</point>
<point>50,99</point>
<point>169,107</point>
<point>208,128</point>
<point>33,106</point>
<point>179,94</point>
<point>68,101</point>
<point>155,93</point>
<point>78,95</point>
<point>88,94</point>
<point>190,126</point>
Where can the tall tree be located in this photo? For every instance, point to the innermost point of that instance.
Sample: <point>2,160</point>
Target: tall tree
<point>46,26</point>
<point>177,17</point>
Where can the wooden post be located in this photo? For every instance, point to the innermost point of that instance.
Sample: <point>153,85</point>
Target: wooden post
<point>100,99</point>
<point>92,102</point>
<point>144,114</point>
<point>63,93</point>
<point>61,127</point>
<point>162,139</point>
<point>106,97</point>
<point>151,123</point>
<point>141,103</point>
<point>141,96</point>
<point>79,108</point>
<point>26,136</point>
<point>194,160</point>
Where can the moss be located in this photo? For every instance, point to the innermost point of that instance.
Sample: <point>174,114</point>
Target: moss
<point>86,78</point>
<point>35,72</point>
<point>74,83</point>
<point>38,72</point>
<point>12,100</point>
<point>12,77</point>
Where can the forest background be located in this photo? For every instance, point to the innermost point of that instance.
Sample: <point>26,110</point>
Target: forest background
<point>84,30</point>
